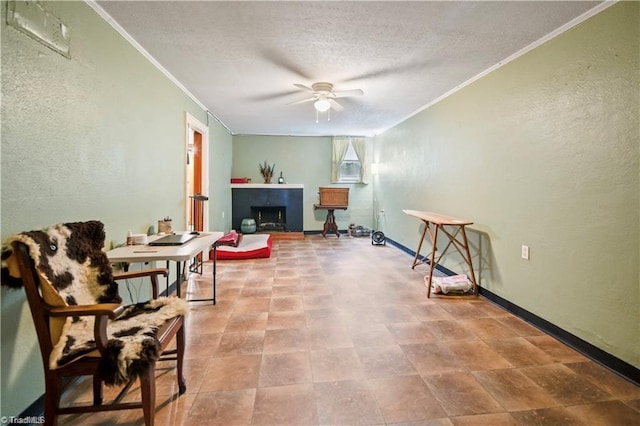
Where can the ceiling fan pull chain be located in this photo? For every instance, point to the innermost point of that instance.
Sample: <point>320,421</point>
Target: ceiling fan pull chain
<point>317,116</point>
<point>329,114</point>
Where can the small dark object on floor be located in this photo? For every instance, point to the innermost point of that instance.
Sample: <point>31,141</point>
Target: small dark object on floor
<point>378,238</point>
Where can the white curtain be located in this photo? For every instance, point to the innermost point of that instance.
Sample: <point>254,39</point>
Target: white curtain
<point>339,150</point>
<point>360,147</point>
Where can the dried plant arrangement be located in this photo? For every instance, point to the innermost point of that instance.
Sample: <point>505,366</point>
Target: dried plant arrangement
<point>266,171</point>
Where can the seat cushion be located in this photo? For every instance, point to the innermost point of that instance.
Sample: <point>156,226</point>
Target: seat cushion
<point>132,339</point>
<point>252,246</point>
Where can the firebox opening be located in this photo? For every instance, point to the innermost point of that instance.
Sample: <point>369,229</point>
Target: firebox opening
<point>271,218</point>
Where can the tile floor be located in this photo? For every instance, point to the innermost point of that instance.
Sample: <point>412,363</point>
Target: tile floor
<point>340,332</point>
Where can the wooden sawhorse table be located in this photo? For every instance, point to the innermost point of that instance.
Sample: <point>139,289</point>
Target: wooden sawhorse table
<point>440,223</point>
<point>330,221</point>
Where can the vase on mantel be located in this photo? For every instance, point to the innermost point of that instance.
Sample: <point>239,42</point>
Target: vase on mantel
<point>266,171</point>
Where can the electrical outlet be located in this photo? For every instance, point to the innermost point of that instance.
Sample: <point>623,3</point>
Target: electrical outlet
<point>525,252</point>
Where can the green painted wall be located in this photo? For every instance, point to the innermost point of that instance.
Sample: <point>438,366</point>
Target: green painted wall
<point>220,158</point>
<point>97,136</point>
<point>542,152</point>
<point>305,160</point>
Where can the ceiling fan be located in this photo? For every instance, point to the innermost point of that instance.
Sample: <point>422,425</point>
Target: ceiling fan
<point>324,98</point>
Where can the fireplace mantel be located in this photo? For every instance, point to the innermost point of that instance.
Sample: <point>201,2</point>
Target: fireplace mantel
<point>267,185</point>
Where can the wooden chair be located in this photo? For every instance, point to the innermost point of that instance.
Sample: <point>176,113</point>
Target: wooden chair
<point>33,276</point>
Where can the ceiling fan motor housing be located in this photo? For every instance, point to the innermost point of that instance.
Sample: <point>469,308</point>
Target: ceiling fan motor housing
<point>322,87</point>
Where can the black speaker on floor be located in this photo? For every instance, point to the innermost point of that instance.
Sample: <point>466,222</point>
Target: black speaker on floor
<point>378,238</point>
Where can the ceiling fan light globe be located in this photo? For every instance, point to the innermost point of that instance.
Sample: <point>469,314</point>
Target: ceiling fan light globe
<point>322,105</point>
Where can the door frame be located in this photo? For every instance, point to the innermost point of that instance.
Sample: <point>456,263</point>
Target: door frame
<point>193,124</point>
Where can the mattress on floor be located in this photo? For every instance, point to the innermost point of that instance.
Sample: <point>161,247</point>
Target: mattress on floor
<point>251,246</point>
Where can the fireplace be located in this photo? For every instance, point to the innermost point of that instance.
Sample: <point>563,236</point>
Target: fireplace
<point>270,218</point>
<point>280,204</point>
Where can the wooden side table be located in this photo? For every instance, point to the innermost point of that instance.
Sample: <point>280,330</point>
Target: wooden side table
<point>440,224</point>
<point>330,221</point>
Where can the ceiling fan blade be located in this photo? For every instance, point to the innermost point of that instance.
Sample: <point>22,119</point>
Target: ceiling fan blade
<point>280,59</point>
<point>335,105</point>
<point>272,96</point>
<point>420,66</point>
<point>302,101</point>
<point>303,87</point>
<point>347,93</point>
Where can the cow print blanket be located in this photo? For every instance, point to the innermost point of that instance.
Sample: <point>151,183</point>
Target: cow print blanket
<point>74,270</point>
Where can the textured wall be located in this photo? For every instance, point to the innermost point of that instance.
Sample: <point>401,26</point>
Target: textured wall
<point>542,152</point>
<point>97,136</point>
<point>305,160</point>
<point>220,157</point>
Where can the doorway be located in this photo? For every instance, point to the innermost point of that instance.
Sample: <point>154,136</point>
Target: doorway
<point>196,174</point>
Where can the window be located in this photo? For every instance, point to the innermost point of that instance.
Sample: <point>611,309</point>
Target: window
<point>350,167</point>
<point>347,163</point>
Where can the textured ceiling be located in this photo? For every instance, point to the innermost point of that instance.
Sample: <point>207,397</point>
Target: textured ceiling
<point>241,59</point>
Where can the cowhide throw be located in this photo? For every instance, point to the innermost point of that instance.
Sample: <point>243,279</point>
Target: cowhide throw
<point>74,270</point>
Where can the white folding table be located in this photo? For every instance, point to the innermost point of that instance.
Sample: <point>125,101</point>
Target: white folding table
<point>179,254</point>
